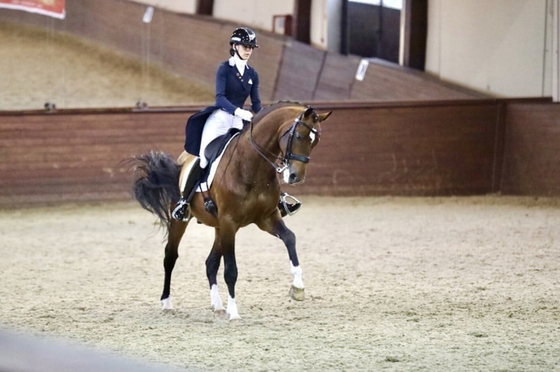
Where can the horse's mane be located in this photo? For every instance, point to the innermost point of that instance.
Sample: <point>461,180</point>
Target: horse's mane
<point>272,107</point>
<point>276,105</point>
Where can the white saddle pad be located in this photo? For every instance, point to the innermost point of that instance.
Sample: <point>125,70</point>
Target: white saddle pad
<point>204,186</point>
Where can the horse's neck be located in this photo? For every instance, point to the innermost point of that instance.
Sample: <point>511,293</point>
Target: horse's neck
<point>264,134</point>
<point>267,131</point>
<point>252,165</point>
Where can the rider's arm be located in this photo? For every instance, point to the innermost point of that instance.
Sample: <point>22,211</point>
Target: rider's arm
<point>221,81</point>
<point>255,96</point>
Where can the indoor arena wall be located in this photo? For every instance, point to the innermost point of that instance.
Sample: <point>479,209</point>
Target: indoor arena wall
<point>411,149</point>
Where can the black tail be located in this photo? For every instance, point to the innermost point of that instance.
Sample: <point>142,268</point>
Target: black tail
<point>157,185</point>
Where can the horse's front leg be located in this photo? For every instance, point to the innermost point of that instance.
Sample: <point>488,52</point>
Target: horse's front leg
<point>175,233</point>
<point>230,276</point>
<point>277,227</point>
<point>225,244</point>
<point>212,267</point>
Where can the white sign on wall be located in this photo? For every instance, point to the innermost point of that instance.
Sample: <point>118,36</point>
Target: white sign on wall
<point>362,69</point>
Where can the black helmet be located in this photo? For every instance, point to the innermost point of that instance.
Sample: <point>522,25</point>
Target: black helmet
<point>244,36</point>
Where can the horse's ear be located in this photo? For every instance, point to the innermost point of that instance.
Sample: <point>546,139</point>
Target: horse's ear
<point>324,116</point>
<point>308,112</point>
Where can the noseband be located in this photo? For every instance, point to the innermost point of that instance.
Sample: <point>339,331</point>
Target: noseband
<point>288,155</point>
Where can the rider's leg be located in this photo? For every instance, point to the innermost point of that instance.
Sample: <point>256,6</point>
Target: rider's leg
<point>217,124</point>
<point>181,210</point>
<point>288,205</point>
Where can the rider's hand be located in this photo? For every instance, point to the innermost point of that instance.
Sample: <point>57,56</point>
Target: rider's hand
<point>243,114</point>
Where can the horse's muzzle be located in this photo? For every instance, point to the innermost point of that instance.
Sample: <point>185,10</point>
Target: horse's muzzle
<point>293,178</point>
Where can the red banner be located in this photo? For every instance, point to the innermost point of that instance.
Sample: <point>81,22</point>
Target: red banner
<point>51,8</point>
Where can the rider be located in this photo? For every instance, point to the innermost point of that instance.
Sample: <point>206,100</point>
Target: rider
<point>235,81</point>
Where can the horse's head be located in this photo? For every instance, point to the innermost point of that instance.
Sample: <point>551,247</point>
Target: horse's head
<point>297,142</point>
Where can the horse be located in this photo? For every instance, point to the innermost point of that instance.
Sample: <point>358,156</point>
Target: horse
<point>245,190</point>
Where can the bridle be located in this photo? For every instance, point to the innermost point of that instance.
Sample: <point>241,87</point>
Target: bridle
<point>288,154</point>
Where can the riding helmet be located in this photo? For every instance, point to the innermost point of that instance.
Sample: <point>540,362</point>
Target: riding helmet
<point>244,36</point>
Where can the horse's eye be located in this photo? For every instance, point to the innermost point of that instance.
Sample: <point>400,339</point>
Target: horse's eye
<point>298,136</point>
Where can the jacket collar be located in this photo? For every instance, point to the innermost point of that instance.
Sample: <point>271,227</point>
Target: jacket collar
<point>234,61</point>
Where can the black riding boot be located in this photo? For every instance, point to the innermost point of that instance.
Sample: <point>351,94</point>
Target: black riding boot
<point>181,211</point>
<point>287,208</point>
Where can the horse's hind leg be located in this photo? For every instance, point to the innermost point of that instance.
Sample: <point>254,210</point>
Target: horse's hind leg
<point>176,231</point>
<point>278,228</point>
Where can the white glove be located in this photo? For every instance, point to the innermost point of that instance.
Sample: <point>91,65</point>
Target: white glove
<point>243,114</point>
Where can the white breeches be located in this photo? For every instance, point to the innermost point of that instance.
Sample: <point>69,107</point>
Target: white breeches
<point>217,124</point>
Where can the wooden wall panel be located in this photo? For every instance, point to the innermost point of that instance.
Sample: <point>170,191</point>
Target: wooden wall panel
<point>442,149</point>
<point>532,150</point>
<point>76,156</point>
<point>446,148</point>
<point>366,149</point>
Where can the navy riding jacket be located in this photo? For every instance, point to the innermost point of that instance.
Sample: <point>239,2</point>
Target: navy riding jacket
<point>232,91</point>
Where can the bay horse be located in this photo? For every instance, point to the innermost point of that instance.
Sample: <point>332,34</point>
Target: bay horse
<point>245,190</point>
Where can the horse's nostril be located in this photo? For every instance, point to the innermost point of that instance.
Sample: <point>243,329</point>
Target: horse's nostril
<point>293,177</point>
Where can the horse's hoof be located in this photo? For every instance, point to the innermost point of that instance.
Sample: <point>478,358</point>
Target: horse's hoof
<point>297,294</point>
<point>235,319</point>
<point>166,304</point>
<point>220,313</point>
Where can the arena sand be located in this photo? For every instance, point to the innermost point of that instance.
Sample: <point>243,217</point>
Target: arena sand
<point>402,284</point>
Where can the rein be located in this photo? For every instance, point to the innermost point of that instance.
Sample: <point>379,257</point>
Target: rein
<point>284,161</point>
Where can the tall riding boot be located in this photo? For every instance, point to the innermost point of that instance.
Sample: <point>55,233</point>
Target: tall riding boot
<point>288,208</point>
<point>181,211</point>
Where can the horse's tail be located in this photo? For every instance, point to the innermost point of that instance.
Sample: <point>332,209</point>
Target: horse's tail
<point>157,185</point>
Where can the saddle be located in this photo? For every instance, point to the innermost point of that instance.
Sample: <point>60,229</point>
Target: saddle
<point>213,153</point>
<point>215,148</point>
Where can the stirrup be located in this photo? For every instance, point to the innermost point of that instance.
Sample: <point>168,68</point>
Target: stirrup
<point>181,212</point>
<point>288,207</point>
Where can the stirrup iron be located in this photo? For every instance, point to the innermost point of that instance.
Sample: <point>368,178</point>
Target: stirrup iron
<point>182,211</point>
<point>288,204</point>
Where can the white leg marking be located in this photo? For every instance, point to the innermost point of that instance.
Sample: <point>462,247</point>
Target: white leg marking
<point>215,299</point>
<point>166,304</point>
<point>296,272</point>
<point>232,309</point>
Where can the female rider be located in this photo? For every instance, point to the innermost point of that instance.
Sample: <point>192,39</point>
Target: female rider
<point>235,81</point>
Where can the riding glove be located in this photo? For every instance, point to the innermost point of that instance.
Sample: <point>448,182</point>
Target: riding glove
<point>243,114</point>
